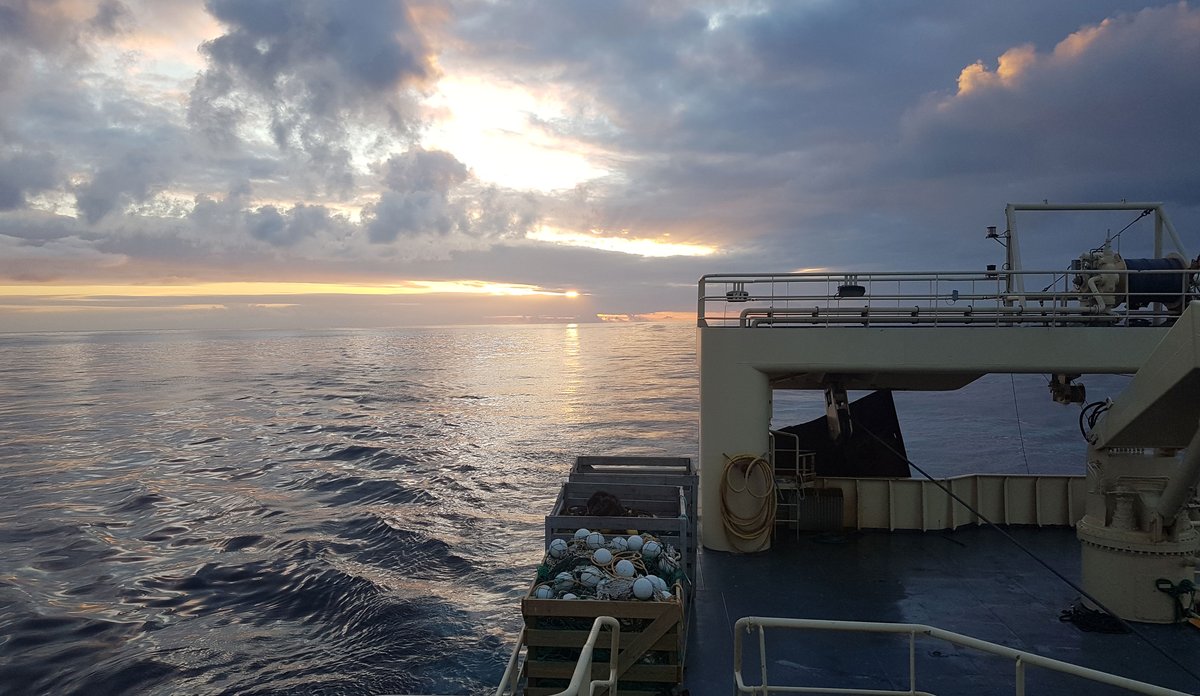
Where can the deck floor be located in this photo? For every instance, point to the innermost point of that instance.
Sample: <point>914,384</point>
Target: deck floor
<point>970,581</point>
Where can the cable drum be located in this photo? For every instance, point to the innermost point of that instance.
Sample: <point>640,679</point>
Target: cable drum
<point>748,484</point>
<point>1147,288</point>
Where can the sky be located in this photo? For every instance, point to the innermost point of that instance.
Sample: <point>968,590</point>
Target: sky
<point>172,164</point>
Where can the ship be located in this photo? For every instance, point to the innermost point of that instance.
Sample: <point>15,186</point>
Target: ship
<point>829,563</point>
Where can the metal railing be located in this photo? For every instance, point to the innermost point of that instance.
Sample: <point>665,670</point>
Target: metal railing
<point>1020,657</point>
<point>510,682</point>
<point>992,298</point>
<point>581,677</point>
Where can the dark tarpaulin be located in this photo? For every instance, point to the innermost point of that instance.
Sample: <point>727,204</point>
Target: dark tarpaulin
<point>859,454</point>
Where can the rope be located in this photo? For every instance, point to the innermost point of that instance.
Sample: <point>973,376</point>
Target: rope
<point>1183,609</point>
<point>1082,592</point>
<point>752,528</point>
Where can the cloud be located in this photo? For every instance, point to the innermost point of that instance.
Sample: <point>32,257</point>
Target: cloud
<point>429,192</point>
<point>422,170</point>
<point>270,224</point>
<point>112,17</point>
<point>294,140</point>
<point>302,221</point>
<point>1098,113</point>
<point>802,128</point>
<point>51,259</point>
<point>22,174</point>
<point>50,26</point>
<point>134,176</point>
<point>307,72</point>
<point>418,197</point>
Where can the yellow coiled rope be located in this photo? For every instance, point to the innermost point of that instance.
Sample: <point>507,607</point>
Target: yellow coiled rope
<point>756,527</point>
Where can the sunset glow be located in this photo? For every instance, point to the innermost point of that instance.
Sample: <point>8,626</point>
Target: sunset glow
<point>626,245</point>
<point>491,127</point>
<point>259,289</point>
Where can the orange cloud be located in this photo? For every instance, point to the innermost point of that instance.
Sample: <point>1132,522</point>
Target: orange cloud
<point>1009,69</point>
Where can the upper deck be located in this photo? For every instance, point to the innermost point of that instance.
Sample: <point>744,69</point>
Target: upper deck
<point>934,330</point>
<point>1148,297</point>
<point>1100,288</point>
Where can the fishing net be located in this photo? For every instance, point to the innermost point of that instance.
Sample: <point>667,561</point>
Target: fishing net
<point>571,567</point>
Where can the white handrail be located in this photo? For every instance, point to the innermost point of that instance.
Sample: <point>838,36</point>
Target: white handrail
<point>1021,658</point>
<point>583,668</point>
<point>509,682</point>
<point>925,297</point>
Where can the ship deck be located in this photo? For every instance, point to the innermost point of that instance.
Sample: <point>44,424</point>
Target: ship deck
<point>970,581</point>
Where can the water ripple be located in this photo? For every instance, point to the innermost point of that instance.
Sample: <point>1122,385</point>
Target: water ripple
<point>280,512</point>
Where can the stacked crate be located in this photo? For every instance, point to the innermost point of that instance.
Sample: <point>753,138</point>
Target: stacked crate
<point>668,504</point>
<point>653,633</point>
<point>652,642</point>
<point>648,471</point>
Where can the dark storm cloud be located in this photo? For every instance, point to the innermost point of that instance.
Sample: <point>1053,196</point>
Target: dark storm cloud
<point>307,69</point>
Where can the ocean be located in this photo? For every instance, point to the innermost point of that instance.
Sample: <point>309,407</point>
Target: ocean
<point>350,511</point>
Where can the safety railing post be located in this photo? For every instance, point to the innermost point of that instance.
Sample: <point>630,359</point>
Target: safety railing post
<point>912,661</point>
<point>737,652</point>
<point>762,656</point>
<point>512,672</point>
<point>1020,677</point>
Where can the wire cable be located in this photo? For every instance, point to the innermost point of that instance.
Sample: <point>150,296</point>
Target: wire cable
<point>1117,236</point>
<point>1017,413</point>
<point>987,522</point>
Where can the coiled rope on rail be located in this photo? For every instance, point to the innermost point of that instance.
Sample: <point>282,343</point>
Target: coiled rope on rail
<point>755,528</point>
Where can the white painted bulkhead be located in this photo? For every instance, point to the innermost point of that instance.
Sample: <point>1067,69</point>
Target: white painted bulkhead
<point>738,367</point>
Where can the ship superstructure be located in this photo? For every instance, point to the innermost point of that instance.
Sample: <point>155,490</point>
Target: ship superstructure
<point>853,608</point>
<point>939,331</point>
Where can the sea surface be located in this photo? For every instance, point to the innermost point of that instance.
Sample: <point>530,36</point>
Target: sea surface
<point>349,511</point>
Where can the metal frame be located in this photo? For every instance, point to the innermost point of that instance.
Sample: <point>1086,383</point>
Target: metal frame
<point>1020,658</point>
<point>923,298</point>
<point>1161,222</point>
<point>844,299</point>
